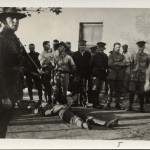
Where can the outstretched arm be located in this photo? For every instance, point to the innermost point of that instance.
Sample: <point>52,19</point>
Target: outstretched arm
<point>54,110</point>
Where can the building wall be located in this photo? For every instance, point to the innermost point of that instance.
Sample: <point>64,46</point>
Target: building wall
<point>119,25</point>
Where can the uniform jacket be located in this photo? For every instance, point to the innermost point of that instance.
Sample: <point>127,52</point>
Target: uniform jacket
<point>82,63</point>
<point>116,72</point>
<point>139,64</point>
<point>99,64</point>
<point>10,63</point>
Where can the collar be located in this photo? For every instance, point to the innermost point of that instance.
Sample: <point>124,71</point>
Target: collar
<point>62,55</point>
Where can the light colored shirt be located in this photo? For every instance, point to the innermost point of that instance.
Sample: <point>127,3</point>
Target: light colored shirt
<point>55,52</point>
<point>46,58</point>
<point>127,58</point>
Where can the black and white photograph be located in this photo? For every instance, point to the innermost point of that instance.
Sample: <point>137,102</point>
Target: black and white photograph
<point>75,73</point>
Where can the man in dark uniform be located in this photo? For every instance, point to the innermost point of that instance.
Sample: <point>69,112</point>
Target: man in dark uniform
<point>30,78</point>
<point>11,87</point>
<point>99,64</point>
<point>117,64</point>
<point>82,58</point>
<point>139,65</point>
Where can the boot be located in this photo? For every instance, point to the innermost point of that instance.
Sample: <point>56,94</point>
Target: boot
<point>117,106</point>
<point>142,96</point>
<point>109,102</point>
<point>131,99</point>
<point>112,123</point>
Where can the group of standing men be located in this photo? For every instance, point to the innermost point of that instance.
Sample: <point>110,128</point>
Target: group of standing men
<point>121,72</point>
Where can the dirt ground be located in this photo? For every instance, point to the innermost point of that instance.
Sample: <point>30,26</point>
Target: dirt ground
<point>132,125</point>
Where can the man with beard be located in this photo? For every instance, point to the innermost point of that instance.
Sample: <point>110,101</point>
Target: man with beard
<point>11,87</point>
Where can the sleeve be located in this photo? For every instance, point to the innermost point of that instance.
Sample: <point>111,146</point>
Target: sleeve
<point>111,62</point>
<point>92,61</point>
<point>3,89</point>
<point>72,65</point>
<point>132,61</point>
<point>42,60</point>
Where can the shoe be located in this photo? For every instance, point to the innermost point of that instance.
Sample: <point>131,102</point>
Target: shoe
<point>98,106</point>
<point>112,123</point>
<point>107,106</point>
<point>118,106</point>
<point>142,110</point>
<point>88,124</point>
<point>129,108</point>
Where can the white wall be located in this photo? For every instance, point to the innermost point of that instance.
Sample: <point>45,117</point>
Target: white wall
<point>119,25</point>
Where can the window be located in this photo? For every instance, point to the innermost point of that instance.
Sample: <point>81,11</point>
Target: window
<point>91,32</point>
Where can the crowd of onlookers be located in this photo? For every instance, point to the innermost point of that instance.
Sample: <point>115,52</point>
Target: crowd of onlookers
<point>85,72</point>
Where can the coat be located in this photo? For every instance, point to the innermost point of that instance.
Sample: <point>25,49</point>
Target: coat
<point>139,64</point>
<point>82,63</point>
<point>117,66</point>
<point>11,85</point>
<point>99,64</point>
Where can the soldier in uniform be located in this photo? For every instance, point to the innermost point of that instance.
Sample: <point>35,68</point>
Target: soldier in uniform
<point>99,65</point>
<point>116,63</point>
<point>30,79</point>
<point>139,65</point>
<point>82,58</point>
<point>11,85</point>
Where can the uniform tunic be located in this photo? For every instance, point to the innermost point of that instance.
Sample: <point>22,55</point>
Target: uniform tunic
<point>139,64</point>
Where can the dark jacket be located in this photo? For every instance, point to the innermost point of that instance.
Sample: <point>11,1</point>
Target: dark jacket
<point>34,56</point>
<point>10,61</point>
<point>82,63</point>
<point>99,64</point>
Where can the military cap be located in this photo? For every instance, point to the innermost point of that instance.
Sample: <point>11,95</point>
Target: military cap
<point>125,46</point>
<point>141,43</point>
<point>11,11</point>
<point>101,44</point>
<point>93,48</point>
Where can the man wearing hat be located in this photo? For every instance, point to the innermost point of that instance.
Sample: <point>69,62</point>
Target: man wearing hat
<point>139,65</point>
<point>64,65</point>
<point>116,63</point>
<point>99,65</point>
<point>11,88</point>
<point>82,58</point>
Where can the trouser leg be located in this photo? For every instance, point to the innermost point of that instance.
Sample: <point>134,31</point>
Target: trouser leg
<point>142,96</point>
<point>30,86</point>
<point>112,88</point>
<point>46,82</point>
<point>38,84</point>
<point>131,100</point>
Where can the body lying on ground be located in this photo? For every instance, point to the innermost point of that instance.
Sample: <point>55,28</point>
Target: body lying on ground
<point>67,115</point>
